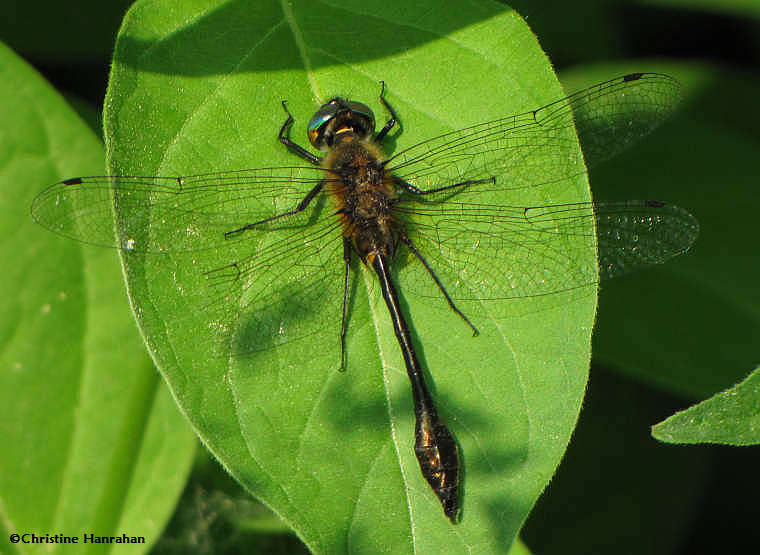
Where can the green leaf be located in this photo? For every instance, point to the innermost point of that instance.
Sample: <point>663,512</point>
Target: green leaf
<point>731,417</point>
<point>199,90</point>
<point>93,441</point>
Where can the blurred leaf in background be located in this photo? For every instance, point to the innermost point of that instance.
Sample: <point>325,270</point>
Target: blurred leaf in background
<point>731,417</point>
<point>94,443</point>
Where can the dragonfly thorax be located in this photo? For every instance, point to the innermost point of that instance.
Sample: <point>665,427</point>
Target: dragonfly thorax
<point>364,195</point>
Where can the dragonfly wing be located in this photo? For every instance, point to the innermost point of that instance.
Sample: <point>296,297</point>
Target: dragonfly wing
<point>538,147</point>
<point>636,234</point>
<point>612,116</point>
<point>489,252</point>
<point>289,285</point>
<point>265,286</point>
<point>170,214</point>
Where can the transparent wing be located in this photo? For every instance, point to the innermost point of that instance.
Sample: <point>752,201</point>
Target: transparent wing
<point>286,285</point>
<point>171,214</point>
<point>273,283</point>
<point>538,147</point>
<point>487,252</point>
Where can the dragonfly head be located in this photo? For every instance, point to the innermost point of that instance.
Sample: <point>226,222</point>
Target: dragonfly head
<point>340,116</point>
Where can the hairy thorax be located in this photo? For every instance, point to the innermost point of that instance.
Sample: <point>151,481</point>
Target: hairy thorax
<point>364,195</point>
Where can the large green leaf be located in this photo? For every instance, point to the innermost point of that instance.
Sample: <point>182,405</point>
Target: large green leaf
<point>92,440</point>
<point>199,89</point>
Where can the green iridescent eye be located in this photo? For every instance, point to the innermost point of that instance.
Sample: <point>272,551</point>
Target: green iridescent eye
<point>336,116</point>
<point>319,121</point>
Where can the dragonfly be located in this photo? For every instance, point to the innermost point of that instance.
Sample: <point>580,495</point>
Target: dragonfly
<point>444,206</point>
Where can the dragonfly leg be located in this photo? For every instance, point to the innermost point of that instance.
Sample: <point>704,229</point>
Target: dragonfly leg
<point>344,320</point>
<point>413,189</point>
<point>437,281</point>
<point>391,121</point>
<point>292,146</point>
<point>300,208</point>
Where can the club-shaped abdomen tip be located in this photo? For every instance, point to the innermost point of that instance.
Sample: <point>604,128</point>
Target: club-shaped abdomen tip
<point>438,456</point>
